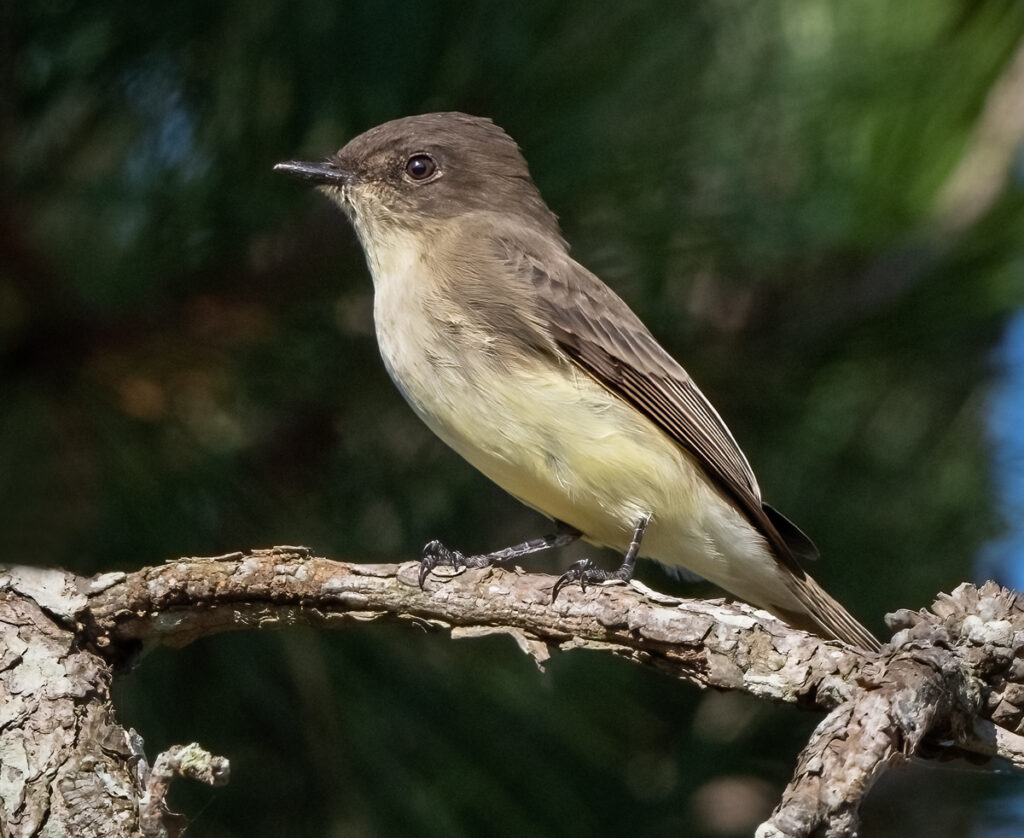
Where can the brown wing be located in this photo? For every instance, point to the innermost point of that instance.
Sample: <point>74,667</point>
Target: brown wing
<point>601,334</point>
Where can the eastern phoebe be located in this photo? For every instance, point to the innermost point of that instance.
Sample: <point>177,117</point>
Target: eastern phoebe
<point>539,375</point>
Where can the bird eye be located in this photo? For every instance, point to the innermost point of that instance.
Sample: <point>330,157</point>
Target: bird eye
<point>420,166</point>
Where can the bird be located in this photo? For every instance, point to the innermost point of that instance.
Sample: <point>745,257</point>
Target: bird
<point>542,377</point>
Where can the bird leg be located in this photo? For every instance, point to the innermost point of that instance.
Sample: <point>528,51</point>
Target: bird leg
<point>435,554</point>
<point>585,571</point>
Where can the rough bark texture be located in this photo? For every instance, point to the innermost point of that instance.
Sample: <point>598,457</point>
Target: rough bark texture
<point>64,763</point>
<point>951,683</point>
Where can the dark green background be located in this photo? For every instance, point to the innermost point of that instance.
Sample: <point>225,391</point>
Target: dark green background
<point>187,366</point>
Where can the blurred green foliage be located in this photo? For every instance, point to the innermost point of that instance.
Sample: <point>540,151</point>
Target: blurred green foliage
<point>781,189</point>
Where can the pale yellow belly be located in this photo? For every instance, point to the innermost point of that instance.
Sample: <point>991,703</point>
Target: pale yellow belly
<point>564,445</point>
<point>553,437</point>
<point>569,449</point>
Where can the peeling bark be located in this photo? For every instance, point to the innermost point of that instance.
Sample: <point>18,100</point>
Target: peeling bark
<point>63,761</point>
<point>950,684</point>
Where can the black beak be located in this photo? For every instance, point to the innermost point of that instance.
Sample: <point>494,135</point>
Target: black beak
<point>326,173</point>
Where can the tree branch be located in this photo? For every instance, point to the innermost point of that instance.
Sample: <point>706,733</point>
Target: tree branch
<point>709,643</point>
<point>951,683</point>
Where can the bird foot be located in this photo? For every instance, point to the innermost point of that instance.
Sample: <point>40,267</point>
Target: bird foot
<point>587,573</point>
<point>435,554</point>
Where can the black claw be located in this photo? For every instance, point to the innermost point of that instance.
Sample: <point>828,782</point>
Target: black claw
<point>585,570</point>
<point>580,571</point>
<point>435,554</point>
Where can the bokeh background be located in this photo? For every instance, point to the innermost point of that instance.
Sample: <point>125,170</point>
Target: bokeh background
<point>818,206</point>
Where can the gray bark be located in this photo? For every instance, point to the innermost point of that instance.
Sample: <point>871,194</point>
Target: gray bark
<point>950,684</point>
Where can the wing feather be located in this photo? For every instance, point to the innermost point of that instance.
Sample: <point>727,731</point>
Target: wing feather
<point>597,331</point>
<point>601,334</point>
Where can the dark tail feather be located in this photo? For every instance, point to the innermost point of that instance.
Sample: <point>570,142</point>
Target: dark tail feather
<point>826,616</point>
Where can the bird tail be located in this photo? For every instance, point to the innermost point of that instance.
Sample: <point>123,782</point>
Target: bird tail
<point>824,615</point>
